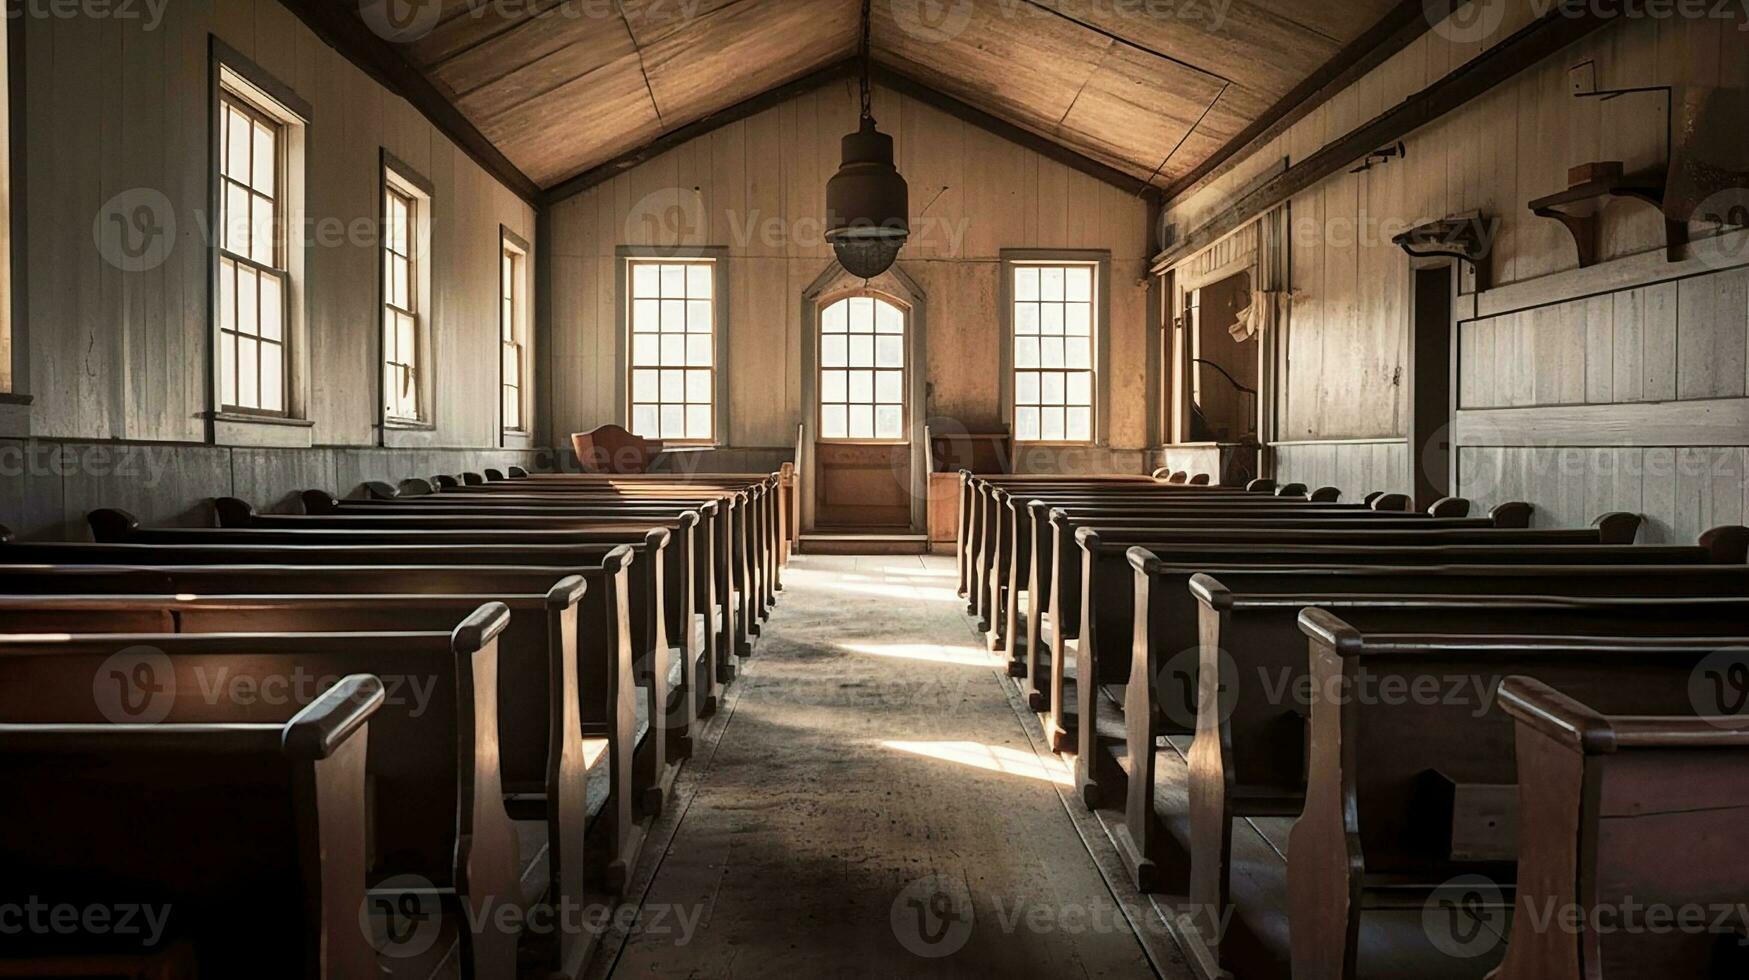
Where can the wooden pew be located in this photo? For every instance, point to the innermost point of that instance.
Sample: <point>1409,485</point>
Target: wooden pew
<point>543,758</point>
<point>601,647</point>
<point>270,810</point>
<point>969,527</point>
<point>1387,776</point>
<point>1601,798</point>
<point>1107,575</point>
<point>438,814</point>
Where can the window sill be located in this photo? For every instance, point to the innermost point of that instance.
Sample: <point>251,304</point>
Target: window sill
<point>13,398</point>
<point>263,431</point>
<point>409,425</point>
<point>15,416</point>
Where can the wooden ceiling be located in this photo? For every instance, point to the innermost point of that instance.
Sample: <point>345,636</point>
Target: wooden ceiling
<point>1150,90</point>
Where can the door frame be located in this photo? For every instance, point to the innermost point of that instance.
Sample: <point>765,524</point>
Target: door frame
<point>895,286</point>
<point>1431,377</point>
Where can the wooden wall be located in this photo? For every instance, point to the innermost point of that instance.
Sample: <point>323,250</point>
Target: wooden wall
<point>757,187</point>
<point>1631,330</point>
<point>118,104</point>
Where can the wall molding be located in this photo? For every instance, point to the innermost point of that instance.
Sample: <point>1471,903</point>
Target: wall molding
<point>1720,253</point>
<point>1712,422</point>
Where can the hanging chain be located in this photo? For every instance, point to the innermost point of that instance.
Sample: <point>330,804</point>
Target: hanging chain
<point>867,88</point>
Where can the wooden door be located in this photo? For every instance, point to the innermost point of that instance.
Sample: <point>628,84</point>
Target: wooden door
<point>863,452</point>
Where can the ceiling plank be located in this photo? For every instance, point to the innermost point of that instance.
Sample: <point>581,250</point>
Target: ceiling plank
<point>340,27</point>
<point>1136,108</point>
<point>1529,45</point>
<point>743,49</point>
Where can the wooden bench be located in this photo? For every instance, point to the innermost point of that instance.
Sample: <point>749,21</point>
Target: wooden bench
<point>1388,776</point>
<point>271,810</point>
<point>1601,798</point>
<point>437,814</point>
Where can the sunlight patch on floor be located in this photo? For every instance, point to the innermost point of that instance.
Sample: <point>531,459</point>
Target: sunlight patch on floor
<point>932,652</point>
<point>860,584</point>
<point>991,758</point>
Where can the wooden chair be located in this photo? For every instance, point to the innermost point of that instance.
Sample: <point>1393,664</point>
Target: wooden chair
<point>611,449</point>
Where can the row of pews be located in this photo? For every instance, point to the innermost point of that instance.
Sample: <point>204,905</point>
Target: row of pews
<point>1352,739</point>
<point>420,733</point>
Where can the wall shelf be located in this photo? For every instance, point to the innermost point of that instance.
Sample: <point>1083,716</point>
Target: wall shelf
<point>1593,186</point>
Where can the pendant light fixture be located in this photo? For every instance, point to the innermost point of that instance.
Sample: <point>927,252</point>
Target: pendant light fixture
<point>867,202</point>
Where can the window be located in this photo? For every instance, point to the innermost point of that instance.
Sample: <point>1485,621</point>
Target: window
<point>6,385</point>
<point>512,331</point>
<point>1053,317</point>
<point>862,370</point>
<point>673,316</point>
<point>406,238</point>
<point>254,278</point>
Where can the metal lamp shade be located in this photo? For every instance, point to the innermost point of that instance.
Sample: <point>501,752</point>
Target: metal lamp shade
<point>867,205</point>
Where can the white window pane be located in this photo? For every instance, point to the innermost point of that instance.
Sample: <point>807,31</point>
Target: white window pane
<point>698,422</point>
<point>698,350</point>
<point>406,341</point>
<point>862,314</point>
<point>246,301</point>
<point>508,408</point>
<point>832,386</point>
<point>510,365</point>
<point>862,421</point>
<point>1026,318</point>
<point>1050,352</point>
<point>1078,352</point>
<point>236,219</point>
<point>644,421</point>
<point>1051,388</point>
<point>1026,388</point>
<point>645,350</point>
<point>646,281</point>
<point>645,386</point>
<point>889,318</point>
<point>698,316</point>
<point>861,349</point>
<point>272,308</point>
<point>889,351</point>
<point>834,351</point>
<point>1079,426</point>
<point>227,369</point>
<point>1050,318</point>
<point>890,387</point>
<point>673,349</point>
<point>861,386</point>
<point>673,286</point>
<point>673,422</point>
<point>698,282</point>
<point>673,316</point>
<point>1026,352</point>
<point>1050,424</point>
<point>698,387</point>
<point>836,317</point>
<point>1026,424</point>
<point>403,274</point>
<point>238,143</point>
<point>889,422</point>
<point>674,386</point>
<point>1026,283</point>
<point>227,295</point>
<point>248,391</point>
<point>833,422</point>
<point>272,377</point>
<point>1078,283</point>
<point>1080,390</point>
<point>1050,283</point>
<point>1078,319</point>
<point>646,316</point>
<point>265,159</point>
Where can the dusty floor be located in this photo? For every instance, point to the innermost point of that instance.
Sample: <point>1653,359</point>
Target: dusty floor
<point>875,808</point>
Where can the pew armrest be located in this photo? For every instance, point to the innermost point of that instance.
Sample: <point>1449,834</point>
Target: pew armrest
<point>319,729</point>
<point>1556,715</point>
<point>319,502</point>
<point>234,512</point>
<point>1326,495</point>
<point>112,524</point>
<point>1449,507</point>
<point>1512,514</point>
<point>378,490</point>
<point>480,628</point>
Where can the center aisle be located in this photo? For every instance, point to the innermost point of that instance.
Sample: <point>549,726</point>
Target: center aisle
<point>875,808</point>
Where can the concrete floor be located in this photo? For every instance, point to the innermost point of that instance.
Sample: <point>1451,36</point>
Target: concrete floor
<point>875,807</point>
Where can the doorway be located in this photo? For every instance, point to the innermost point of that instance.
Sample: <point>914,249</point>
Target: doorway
<point>1434,286</point>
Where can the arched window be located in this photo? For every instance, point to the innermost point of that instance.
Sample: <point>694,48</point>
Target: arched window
<point>862,370</point>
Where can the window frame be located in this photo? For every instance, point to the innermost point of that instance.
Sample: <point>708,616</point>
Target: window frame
<point>1099,260</point>
<point>510,243</point>
<point>233,77</point>
<point>628,256</point>
<point>278,267</point>
<point>905,407</point>
<point>399,179</point>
